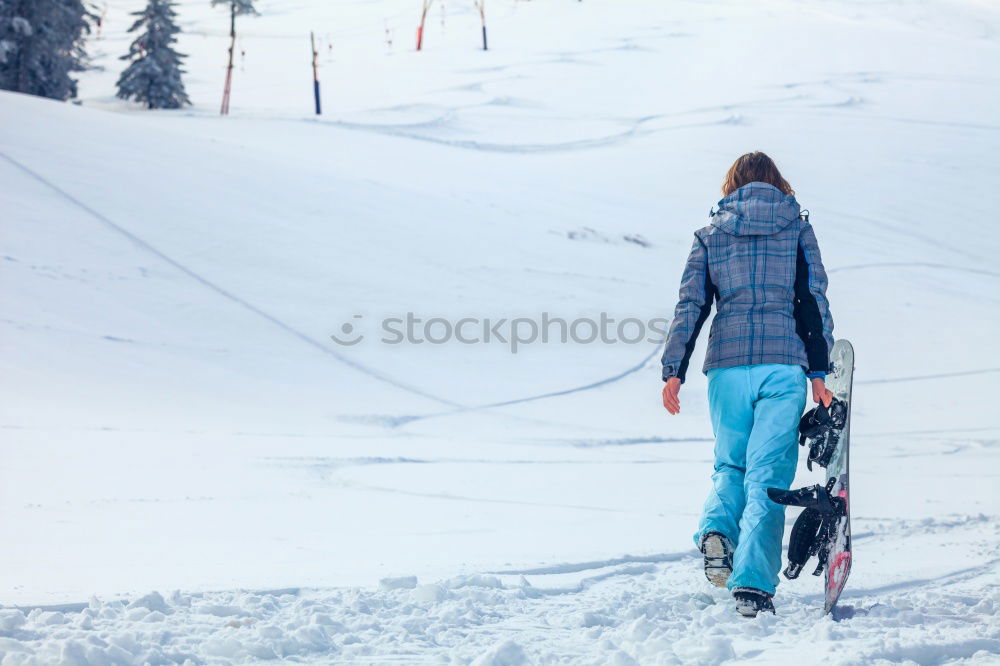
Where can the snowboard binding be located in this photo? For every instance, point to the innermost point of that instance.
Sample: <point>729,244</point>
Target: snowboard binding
<point>815,529</point>
<point>821,428</point>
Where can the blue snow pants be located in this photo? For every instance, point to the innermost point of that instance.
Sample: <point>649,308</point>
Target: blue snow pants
<point>755,413</point>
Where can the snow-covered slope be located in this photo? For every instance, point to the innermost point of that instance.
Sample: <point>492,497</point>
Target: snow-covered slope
<point>175,415</point>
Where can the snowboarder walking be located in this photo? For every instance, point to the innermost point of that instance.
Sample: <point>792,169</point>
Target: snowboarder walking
<point>758,259</point>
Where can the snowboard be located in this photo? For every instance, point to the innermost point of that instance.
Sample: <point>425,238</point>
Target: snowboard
<point>837,472</point>
<point>824,527</point>
<point>839,557</point>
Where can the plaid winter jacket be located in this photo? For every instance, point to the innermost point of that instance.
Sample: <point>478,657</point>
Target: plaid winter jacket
<point>759,261</point>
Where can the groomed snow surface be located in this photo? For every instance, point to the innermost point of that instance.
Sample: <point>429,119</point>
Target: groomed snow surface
<point>192,471</point>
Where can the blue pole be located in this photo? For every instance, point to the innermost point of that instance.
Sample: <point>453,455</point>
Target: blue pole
<point>315,64</point>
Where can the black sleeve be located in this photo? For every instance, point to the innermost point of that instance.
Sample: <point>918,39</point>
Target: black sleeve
<point>808,320</point>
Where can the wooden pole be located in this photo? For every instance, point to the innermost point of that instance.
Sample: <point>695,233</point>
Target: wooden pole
<point>229,68</point>
<point>315,64</point>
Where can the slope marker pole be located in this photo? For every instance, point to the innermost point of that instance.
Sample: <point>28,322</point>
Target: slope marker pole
<point>481,6</point>
<point>315,67</point>
<point>423,20</point>
<point>229,68</point>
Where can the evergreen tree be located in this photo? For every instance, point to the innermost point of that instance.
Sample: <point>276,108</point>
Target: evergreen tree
<point>154,77</point>
<point>41,43</point>
<point>237,7</point>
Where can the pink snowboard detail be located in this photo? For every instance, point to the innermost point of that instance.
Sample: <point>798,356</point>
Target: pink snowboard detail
<point>838,570</point>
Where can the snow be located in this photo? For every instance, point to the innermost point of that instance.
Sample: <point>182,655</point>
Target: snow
<point>185,447</point>
<point>637,614</point>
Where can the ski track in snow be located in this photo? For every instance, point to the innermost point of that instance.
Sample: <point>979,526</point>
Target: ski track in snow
<point>940,375</point>
<point>478,500</point>
<point>526,148</point>
<point>382,377</point>
<point>913,264</point>
<point>399,421</point>
<point>222,291</point>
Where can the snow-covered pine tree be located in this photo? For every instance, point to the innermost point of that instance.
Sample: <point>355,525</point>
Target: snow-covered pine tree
<point>41,43</point>
<point>154,77</point>
<point>236,8</point>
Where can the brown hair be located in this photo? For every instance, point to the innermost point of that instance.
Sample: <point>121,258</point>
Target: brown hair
<point>755,167</point>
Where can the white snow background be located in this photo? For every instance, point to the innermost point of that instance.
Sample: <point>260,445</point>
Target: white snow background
<point>192,472</point>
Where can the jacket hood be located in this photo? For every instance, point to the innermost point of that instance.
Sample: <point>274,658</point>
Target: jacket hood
<point>756,209</point>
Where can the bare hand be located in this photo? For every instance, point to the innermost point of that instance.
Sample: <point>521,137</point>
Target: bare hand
<point>670,400</point>
<point>820,392</point>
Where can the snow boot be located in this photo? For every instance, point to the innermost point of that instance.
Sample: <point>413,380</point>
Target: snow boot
<point>750,601</point>
<point>718,552</point>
